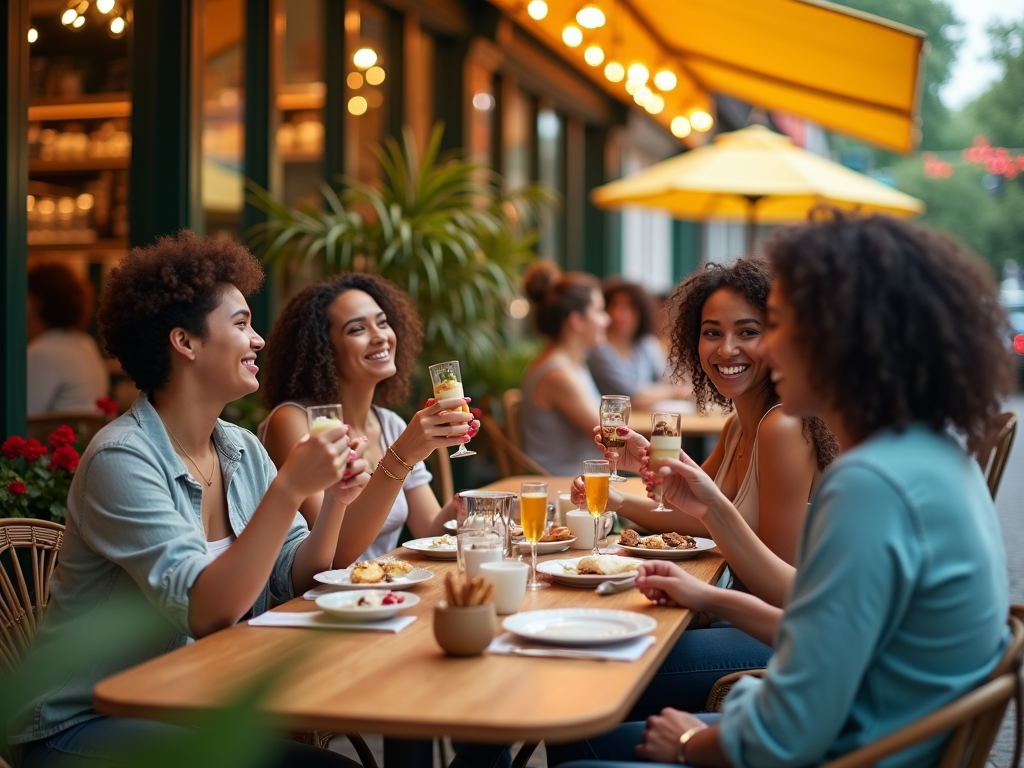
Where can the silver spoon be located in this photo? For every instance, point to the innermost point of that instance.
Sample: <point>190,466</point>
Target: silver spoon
<point>611,587</point>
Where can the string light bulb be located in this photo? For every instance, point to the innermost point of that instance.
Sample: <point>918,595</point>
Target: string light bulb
<point>642,94</point>
<point>104,6</point>
<point>537,9</point>
<point>33,34</point>
<point>680,127</point>
<point>572,36</point>
<point>665,80</point>
<point>614,72</point>
<point>364,58</point>
<point>357,105</point>
<point>590,17</point>
<point>375,75</point>
<point>594,55</point>
<point>638,73</point>
<point>654,104</point>
<point>68,16</point>
<point>701,121</point>
<point>78,22</point>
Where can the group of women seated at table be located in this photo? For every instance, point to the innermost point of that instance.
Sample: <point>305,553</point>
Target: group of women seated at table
<point>863,360</point>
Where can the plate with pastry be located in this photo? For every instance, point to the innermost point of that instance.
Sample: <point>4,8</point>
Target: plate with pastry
<point>663,546</point>
<point>435,547</point>
<point>384,572</point>
<point>579,626</point>
<point>557,539</point>
<point>591,570</point>
<point>366,604</point>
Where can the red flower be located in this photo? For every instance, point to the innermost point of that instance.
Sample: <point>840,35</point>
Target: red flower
<point>64,457</point>
<point>16,487</point>
<point>13,447</point>
<point>33,449</point>
<point>106,406</point>
<point>62,435</point>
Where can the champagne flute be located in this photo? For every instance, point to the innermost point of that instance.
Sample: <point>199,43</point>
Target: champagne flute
<point>533,515</point>
<point>596,478</point>
<point>447,382</point>
<point>614,414</point>
<point>323,418</point>
<point>666,443</point>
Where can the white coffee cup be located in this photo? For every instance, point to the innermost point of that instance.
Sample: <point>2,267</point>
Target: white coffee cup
<point>581,523</point>
<point>509,580</point>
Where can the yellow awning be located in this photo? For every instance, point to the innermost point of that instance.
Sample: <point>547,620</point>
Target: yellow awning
<point>850,72</point>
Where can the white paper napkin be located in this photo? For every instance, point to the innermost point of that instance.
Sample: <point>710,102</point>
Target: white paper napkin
<point>320,620</point>
<point>631,650</point>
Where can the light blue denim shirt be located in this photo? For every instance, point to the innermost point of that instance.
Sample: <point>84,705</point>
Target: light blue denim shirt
<point>899,606</point>
<point>135,534</point>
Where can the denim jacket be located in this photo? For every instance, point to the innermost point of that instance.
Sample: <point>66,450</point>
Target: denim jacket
<point>134,536</point>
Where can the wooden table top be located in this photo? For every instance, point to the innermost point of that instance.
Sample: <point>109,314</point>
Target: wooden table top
<point>403,684</point>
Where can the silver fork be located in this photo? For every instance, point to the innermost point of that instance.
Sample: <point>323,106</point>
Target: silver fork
<point>611,587</point>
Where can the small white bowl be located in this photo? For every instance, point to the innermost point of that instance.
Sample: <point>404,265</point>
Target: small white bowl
<point>451,525</point>
<point>344,605</point>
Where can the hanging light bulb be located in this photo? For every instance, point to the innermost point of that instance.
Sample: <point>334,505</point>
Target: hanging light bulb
<point>638,73</point>
<point>590,17</point>
<point>654,104</point>
<point>78,22</point>
<point>701,120</point>
<point>537,9</point>
<point>572,36</point>
<point>665,80</point>
<point>614,71</point>
<point>104,6</point>
<point>364,58</point>
<point>642,94</point>
<point>68,16</point>
<point>680,127</point>
<point>631,86</point>
<point>33,35</point>
<point>594,55</point>
<point>117,26</point>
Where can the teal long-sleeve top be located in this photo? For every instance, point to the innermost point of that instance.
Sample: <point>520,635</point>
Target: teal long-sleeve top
<point>899,606</point>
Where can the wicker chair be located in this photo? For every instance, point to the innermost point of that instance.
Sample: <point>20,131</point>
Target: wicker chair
<point>973,719</point>
<point>508,439</point>
<point>994,452</point>
<point>24,596</point>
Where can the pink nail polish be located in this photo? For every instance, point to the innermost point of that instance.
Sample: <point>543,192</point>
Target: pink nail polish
<point>364,439</point>
<point>352,455</point>
<point>623,430</point>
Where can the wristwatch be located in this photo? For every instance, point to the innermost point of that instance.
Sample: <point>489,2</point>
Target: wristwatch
<point>685,739</point>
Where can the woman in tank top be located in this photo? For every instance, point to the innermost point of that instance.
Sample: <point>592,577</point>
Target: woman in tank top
<point>560,398</point>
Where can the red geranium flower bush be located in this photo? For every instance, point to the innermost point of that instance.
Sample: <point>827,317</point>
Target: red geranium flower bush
<point>34,478</point>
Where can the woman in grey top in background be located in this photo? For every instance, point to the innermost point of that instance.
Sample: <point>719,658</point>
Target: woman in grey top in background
<point>560,399</point>
<point>631,362</point>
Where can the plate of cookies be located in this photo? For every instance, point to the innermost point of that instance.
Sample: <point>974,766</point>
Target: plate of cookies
<point>557,539</point>
<point>663,546</point>
<point>386,572</point>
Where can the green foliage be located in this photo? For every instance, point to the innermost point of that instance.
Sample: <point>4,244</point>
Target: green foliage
<point>247,412</point>
<point>443,229</point>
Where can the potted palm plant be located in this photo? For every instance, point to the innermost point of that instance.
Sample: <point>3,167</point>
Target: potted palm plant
<point>443,228</point>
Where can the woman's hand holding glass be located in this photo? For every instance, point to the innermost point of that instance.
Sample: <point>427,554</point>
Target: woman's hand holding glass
<point>356,475</point>
<point>438,425</point>
<point>578,495</point>
<point>683,484</point>
<point>319,461</point>
<point>629,456</point>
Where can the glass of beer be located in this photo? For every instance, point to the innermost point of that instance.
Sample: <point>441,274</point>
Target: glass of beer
<point>596,478</point>
<point>614,414</point>
<point>533,516</point>
<point>447,382</point>
<point>323,418</point>
<point>666,443</point>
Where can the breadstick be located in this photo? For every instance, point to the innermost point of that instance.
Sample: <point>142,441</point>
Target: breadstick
<point>452,588</point>
<point>488,593</point>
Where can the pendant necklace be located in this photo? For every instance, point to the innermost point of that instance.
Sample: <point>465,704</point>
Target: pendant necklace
<point>209,481</point>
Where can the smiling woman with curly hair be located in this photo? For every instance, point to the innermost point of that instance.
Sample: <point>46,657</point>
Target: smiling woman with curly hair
<point>354,340</point>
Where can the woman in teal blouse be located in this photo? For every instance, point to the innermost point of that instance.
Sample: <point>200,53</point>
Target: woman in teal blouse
<point>898,602</point>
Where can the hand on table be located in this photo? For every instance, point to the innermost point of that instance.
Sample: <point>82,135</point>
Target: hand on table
<point>665,583</point>
<point>630,455</point>
<point>661,738</point>
<point>437,425</point>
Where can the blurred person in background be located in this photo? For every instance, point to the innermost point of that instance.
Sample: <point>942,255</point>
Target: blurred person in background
<point>632,361</point>
<point>560,398</point>
<point>66,371</point>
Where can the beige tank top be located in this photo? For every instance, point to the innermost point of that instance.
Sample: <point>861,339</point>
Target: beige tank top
<point>748,496</point>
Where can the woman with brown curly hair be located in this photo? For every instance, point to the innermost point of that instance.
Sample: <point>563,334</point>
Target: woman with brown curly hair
<point>173,514</point>
<point>892,335</point>
<point>354,340</point>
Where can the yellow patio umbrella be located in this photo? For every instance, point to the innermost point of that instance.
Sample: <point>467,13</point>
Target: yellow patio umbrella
<point>756,176</point>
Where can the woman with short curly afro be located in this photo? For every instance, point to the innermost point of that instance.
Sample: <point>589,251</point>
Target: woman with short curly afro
<point>893,336</point>
<point>173,513</point>
<point>354,340</point>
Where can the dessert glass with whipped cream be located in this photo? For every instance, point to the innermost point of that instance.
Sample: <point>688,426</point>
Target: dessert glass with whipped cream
<point>447,382</point>
<point>323,418</point>
<point>666,443</point>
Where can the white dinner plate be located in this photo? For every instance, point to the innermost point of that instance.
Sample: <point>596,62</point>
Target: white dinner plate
<point>340,579</point>
<point>451,525</point>
<point>579,626</point>
<point>544,547</point>
<point>557,570</point>
<point>436,551</point>
<point>344,605</point>
<point>703,545</point>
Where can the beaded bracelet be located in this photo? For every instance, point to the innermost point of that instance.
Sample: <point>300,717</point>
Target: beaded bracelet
<point>386,471</point>
<point>391,450</point>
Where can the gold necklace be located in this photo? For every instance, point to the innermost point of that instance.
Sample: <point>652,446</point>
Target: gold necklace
<point>741,448</point>
<point>213,469</point>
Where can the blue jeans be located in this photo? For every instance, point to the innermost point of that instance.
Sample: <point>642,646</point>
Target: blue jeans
<point>121,741</point>
<point>612,750</point>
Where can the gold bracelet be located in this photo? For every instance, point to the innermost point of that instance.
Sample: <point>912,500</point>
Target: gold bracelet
<point>380,466</point>
<point>685,739</point>
<point>391,450</point>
